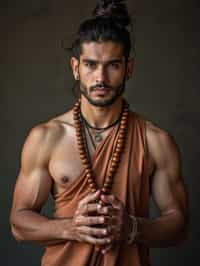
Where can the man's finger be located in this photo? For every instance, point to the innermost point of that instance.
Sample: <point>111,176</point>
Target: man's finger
<point>106,210</point>
<point>92,197</point>
<point>111,199</point>
<point>90,220</point>
<point>88,208</point>
<point>92,231</point>
<point>95,241</point>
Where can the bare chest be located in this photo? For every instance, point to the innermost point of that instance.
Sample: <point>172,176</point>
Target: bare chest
<point>65,165</point>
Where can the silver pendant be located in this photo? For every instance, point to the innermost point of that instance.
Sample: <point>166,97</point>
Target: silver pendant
<point>98,137</point>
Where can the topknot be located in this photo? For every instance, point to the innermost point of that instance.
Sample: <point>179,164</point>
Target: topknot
<point>115,9</point>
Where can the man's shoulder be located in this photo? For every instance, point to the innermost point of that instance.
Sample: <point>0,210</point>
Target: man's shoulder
<point>51,131</point>
<point>156,134</point>
<point>161,144</point>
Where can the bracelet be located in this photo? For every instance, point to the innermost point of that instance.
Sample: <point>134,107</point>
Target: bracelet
<point>134,229</point>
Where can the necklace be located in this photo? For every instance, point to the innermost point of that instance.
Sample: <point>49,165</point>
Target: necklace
<point>91,138</point>
<point>116,156</point>
<point>97,130</point>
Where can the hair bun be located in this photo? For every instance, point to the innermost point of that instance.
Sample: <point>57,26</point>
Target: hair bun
<point>115,9</point>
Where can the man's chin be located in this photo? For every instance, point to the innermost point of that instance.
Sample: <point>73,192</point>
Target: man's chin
<point>101,101</point>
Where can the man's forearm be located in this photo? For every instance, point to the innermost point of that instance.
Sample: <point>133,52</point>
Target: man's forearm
<point>166,230</point>
<point>31,226</point>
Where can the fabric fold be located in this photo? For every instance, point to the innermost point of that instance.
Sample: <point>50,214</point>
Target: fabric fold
<point>130,185</point>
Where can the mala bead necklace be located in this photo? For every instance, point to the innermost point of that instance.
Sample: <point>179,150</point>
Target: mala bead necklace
<point>82,146</point>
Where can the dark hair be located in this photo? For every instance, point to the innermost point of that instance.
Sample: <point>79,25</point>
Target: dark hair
<point>110,22</point>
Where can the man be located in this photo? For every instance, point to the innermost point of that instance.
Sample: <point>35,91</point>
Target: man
<point>101,162</point>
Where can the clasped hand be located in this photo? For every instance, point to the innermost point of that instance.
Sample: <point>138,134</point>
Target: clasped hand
<point>101,225</point>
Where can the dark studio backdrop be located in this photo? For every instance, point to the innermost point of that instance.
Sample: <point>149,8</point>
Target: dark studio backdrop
<point>35,85</point>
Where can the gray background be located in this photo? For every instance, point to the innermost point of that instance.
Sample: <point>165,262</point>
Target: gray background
<point>36,81</point>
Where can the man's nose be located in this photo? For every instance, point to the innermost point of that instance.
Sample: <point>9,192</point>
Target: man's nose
<point>100,74</point>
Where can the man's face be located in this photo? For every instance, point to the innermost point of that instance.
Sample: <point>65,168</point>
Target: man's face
<point>102,71</point>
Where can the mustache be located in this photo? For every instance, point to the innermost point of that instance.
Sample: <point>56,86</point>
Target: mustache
<point>100,85</point>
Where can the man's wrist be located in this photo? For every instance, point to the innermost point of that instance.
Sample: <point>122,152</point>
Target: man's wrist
<point>133,229</point>
<point>68,230</point>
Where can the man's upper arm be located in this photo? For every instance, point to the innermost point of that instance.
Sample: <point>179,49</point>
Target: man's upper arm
<point>34,182</point>
<point>168,189</point>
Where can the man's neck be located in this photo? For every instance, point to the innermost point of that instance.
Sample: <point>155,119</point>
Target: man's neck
<point>101,116</point>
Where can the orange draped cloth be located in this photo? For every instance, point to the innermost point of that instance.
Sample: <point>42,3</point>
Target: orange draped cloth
<point>131,185</point>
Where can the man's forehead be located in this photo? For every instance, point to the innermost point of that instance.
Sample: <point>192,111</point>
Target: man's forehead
<point>103,51</point>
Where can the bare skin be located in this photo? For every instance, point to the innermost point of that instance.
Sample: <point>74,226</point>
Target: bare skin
<point>50,162</point>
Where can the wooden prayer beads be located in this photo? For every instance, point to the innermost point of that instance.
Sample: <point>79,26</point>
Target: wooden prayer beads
<point>116,154</point>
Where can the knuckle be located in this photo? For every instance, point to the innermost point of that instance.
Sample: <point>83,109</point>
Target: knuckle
<point>105,210</point>
<point>84,208</point>
<point>89,220</point>
<point>77,221</point>
<point>92,231</point>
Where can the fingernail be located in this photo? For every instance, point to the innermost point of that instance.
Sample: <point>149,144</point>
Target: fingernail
<point>102,219</point>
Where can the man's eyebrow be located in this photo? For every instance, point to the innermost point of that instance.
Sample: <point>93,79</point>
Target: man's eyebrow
<point>87,60</point>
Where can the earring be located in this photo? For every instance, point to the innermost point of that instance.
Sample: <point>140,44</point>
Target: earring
<point>77,77</point>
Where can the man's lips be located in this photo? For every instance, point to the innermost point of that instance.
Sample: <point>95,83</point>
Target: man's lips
<point>101,90</point>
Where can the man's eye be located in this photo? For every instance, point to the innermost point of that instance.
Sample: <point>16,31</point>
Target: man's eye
<point>90,64</point>
<point>115,65</point>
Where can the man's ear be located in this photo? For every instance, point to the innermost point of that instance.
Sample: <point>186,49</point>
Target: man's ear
<point>130,67</point>
<point>75,67</point>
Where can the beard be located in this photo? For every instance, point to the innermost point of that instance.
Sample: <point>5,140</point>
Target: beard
<point>117,92</point>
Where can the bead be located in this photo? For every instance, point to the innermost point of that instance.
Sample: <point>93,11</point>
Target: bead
<point>85,162</point>
<point>122,134</point>
<point>79,130</point>
<point>81,145</point>
<point>89,175</point>
<point>105,190</point>
<point>115,159</point>
<point>87,167</point>
<point>92,186</point>
<point>81,152</point>
<point>78,125</point>
<point>88,170</point>
<point>123,122</point>
<point>123,126</point>
<point>77,104</point>
<point>120,141</point>
<point>119,146</point>
<point>112,169</point>
<point>78,135</point>
<point>116,155</point>
<point>76,112</point>
<point>121,137</point>
<point>109,181</point>
<point>114,165</point>
<point>118,150</point>
<point>80,138</point>
<point>109,176</point>
<point>125,114</point>
<point>90,181</point>
<point>83,157</point>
